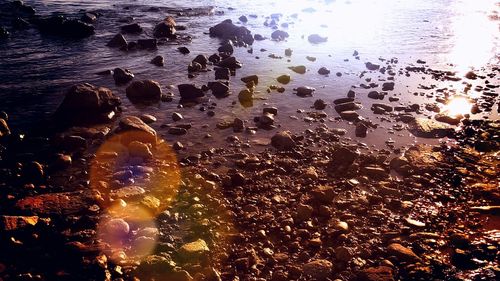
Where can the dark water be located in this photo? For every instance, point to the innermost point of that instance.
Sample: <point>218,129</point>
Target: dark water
<point>36,69</point>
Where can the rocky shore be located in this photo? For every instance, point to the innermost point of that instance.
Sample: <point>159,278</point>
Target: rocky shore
<point>99,194</point>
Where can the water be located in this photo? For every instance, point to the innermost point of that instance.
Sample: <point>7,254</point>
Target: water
<point>35,69</point>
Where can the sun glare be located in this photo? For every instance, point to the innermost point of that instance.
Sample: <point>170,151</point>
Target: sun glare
<point>458,106</point>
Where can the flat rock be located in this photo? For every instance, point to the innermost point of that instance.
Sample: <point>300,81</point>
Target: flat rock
<point>194,250</point>
<point>379,273</point>
<point>427,128</point>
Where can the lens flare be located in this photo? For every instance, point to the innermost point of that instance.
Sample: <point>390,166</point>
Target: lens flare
<point>458,106</point>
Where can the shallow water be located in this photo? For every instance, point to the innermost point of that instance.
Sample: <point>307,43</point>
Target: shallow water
<point>35,69</point>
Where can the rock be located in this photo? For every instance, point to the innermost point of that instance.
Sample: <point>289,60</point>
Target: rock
<point>131,192</point>
<point>375,95</point>
<point>156,265</point>
<point>375,172</point>
<point>116,229</point>
<point>283,141</point>
<point>230,62</point>
<point>228,30</point>
<point>85,103</point>
<point>122,76</point>
<point>243,19</point>
<point>176,116</point>
<point>259,37</point>
<point>219,89</point>
<point>343,156</point>
<point>33,171</point>
<point>279,35</point>
<point>402,253</point>
<point>89,18</point>
<point>266,120</point>
<point>140,130</point>
<point>148,118</point>
<point>118,41</point>
<point>347,106</point>
<point>250,79</point>
<point>166,28</point>
<point>17,23</point>
<point>349,115</point>
<point>452,120</point>
<point>64,203</point>
<point>61,26</point>
<point>305,91</point>
<point>158,61</point>
<point>238,125</point>
<point>13,223</point>
<point>176,131</point>
<point>193,251</point>
<point>4,33</point>
<point>427,128</point>
<point>190,91</point>
<point>318,269</point>
<point>301,69</point>
<point>62,161</point>
<point>283,79</point>
<point>343,254</point>
<point>361,130</point>
<point>388,86</point>
<point>144,91</point>
<point>222,73</point>
<point>371,66</point>
<point>4,128</point>
<point>139,149</point>
<point>202,60</point>
<point>323,71</point>
<point>379,273</point>
<point>382,106</point>
<point>226,48</point>
<point>245,95</point>
<point>304,212</point>
<point>183,50</point>
<point>319,104</point>
<point>131,28</point>
<point>194,67</point>
<point>323,194</point>
<point>315,38</point>
<point>148,44</point>
<point>288,52</point>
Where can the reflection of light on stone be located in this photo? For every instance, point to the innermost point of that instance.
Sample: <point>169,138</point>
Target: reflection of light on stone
<point>127,232</point>
<point>458,106</point>
<point>148,176</point>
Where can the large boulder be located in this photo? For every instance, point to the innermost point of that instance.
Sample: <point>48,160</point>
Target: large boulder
<point>144,91</point>
<point>190,91</point>
<point>62,26</point>
<point>86,103</point>
<point>166,28</point>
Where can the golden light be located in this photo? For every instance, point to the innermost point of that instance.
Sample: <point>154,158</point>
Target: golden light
<point>457,106</point>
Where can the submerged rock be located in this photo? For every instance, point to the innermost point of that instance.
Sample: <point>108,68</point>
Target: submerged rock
<point>131,28</point>
<point>86,103</point>
<point>144,91</point>
<point>3,32</point>
<point>60,25</point>
<point>283,79</point>
<point>301,69</point>
<point>372,66</point>
<point>305,91</point>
